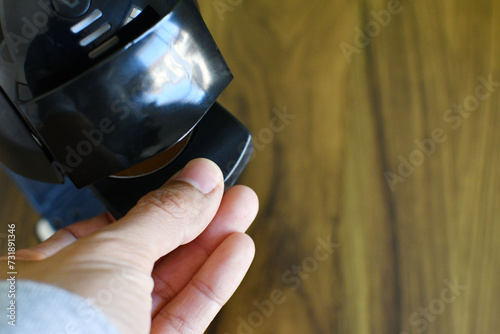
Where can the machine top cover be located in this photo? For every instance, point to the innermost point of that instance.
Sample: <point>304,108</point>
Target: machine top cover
<point>95,87</point>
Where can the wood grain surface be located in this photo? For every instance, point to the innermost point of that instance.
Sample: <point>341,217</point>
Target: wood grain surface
<point>377,164</point>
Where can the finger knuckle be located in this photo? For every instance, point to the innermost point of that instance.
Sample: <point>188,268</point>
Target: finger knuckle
<point>207,291</point>
<point>172,202</point>
<point>177,323</point>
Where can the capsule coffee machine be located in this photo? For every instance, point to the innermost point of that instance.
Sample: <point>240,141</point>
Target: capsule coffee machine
<point>116,95</point>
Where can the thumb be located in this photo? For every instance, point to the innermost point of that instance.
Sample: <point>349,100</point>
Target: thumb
<point>166,218</point>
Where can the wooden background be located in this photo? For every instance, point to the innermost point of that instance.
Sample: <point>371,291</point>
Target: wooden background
<point>323,173</point>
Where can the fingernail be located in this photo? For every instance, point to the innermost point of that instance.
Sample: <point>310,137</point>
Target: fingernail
<point>202,174</point>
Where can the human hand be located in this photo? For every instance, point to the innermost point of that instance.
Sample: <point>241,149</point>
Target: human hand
<point>168,266</point>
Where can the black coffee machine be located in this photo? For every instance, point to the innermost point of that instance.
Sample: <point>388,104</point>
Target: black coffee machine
<point>115,95</point>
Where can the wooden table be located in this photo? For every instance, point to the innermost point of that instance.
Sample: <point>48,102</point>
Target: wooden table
<point>377,164</point>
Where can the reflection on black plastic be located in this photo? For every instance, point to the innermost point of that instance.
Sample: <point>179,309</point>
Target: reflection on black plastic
<point>133,105</point>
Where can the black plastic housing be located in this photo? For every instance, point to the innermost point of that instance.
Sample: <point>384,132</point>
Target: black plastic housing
<point>219,137</point>
<point>94,110</point>
<point>92,88</point>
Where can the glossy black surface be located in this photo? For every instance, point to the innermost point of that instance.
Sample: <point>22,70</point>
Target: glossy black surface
<point>39,47</point>
<point>92,90</point>
<point>71,8</point>
<point>219,137</point>
<point>19,151</point>
<point>123,98</point>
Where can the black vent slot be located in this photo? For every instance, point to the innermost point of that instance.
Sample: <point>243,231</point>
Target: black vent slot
<point>58,56</point>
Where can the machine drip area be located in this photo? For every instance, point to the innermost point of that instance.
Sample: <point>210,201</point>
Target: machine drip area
<point>155,163</point>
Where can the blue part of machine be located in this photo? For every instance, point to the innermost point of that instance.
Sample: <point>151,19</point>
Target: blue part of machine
<point>60,204</point>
